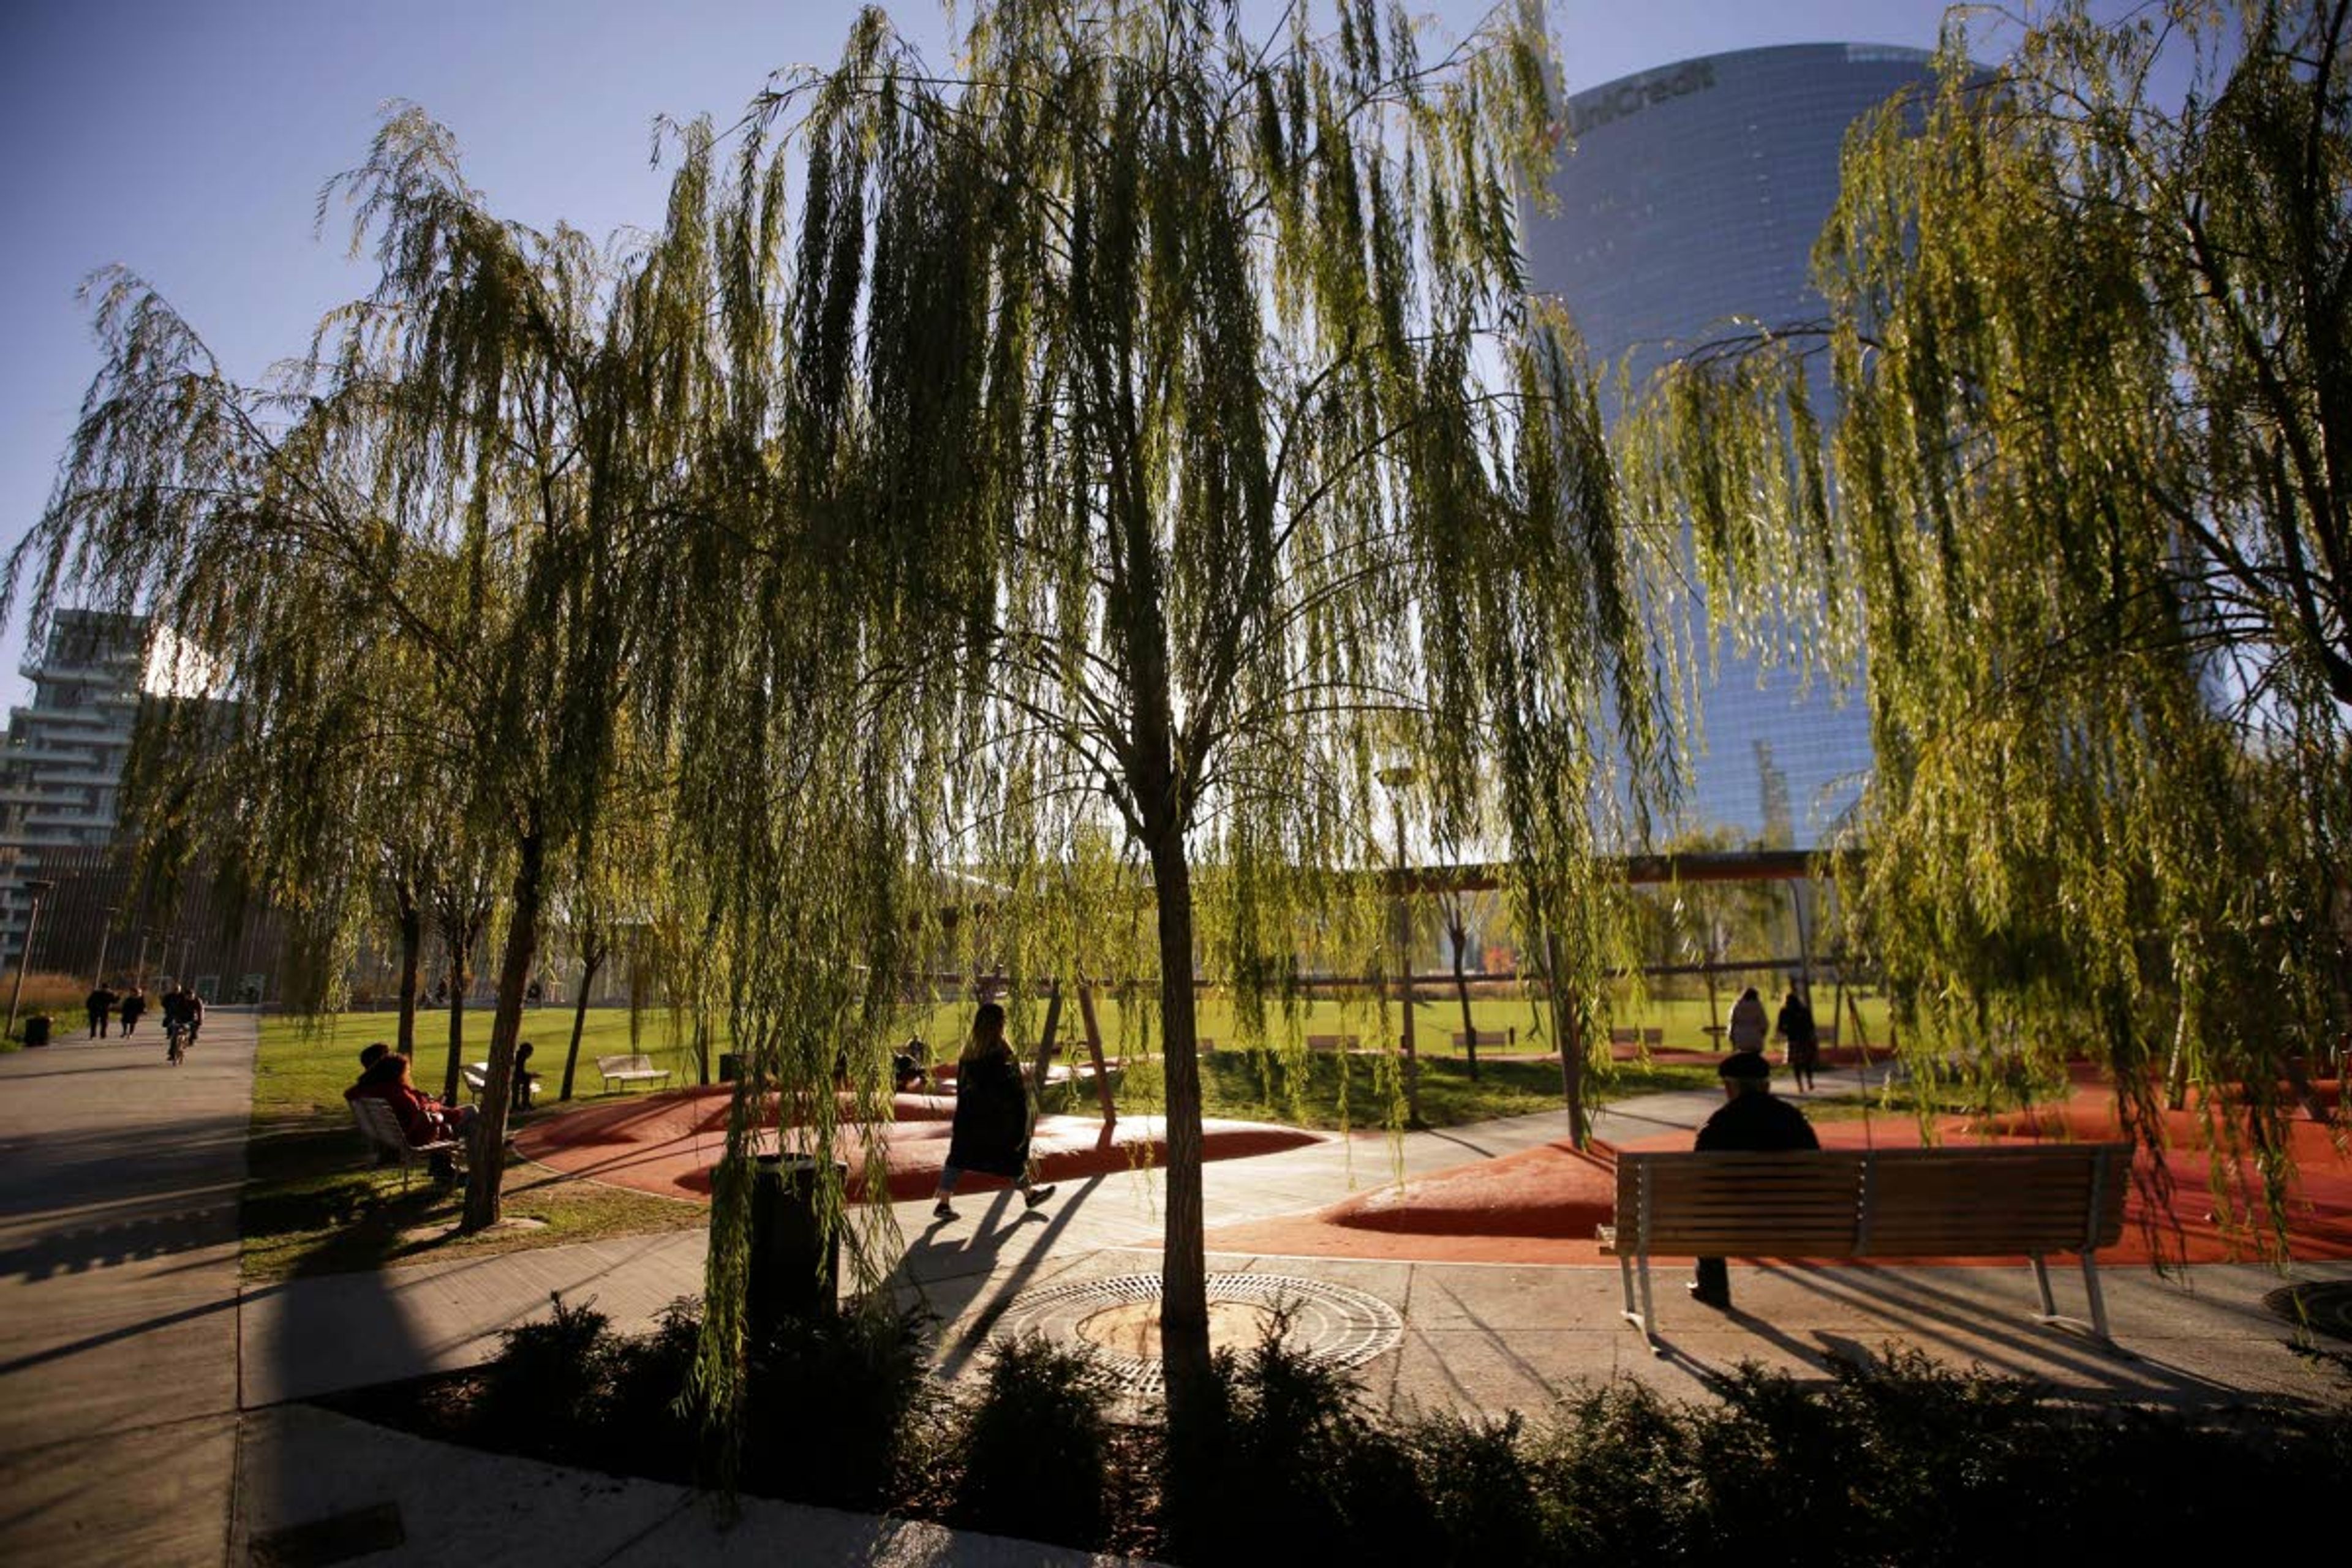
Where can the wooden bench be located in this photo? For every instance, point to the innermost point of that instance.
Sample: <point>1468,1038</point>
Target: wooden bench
<point>1333,1042</point>
<point>1484,1038</point>
<point>628,1069</point>
<point>380,1129</point>
<point>1886,1203</point>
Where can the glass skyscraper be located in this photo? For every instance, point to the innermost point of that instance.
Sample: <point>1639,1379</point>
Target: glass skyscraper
<point>1693,196</point>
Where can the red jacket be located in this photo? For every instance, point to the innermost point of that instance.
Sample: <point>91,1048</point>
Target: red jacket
<point>419,1114</point>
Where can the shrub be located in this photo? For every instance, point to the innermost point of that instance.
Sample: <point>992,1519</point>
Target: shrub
<point>1616,1477</point>
<point>1480,1489</point>
<point>548,1381</point>
<point>1036,1446</point>
<point>651,1426</point>
<point>1303,1470</point>
<point>825,1406</point>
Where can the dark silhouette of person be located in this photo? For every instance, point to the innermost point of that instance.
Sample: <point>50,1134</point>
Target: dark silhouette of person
<point>990,1133</point>
<point>525,1081</point>
<point>133,1008</point>
<point>1796,1026</point>
<point>1752,1121</point>
<point>100,1002</point>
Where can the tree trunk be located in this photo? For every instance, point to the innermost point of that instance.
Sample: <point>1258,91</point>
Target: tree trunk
<point>489,1163</point>
<point>591,958</point>
<point>1183,1269</point>
<point>1568,1032</point>
<point>412,953</point>
<point>1457,931</point>
<point>461,979</point>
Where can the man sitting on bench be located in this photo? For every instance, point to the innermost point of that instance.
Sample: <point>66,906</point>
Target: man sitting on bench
<point>1752,1122</point>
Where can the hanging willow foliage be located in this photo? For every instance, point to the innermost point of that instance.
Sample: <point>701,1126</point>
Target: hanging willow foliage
<point>1026,557</point>
<point>422,562</point>
<point>2084,494</point>
<point>1137,442</point>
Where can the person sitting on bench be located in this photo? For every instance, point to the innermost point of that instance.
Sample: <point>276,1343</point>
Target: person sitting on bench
<point>423,1120</point>
<point>1752,1121</point>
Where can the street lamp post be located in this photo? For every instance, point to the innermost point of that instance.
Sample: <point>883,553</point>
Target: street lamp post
<point>1397,780</point>
<point>34,890</point>
<point>105,935</point>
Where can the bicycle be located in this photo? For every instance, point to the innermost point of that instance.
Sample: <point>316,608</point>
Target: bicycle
<point>176,1042</point>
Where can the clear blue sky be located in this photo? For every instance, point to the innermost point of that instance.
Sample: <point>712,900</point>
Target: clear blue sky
<point>188,142</point>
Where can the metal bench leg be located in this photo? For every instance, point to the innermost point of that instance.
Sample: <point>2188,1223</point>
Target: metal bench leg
<point>1649,1318</point>
<point>1625,1278</point>
<point>2041,1278</point>
<point>2098,1301</point>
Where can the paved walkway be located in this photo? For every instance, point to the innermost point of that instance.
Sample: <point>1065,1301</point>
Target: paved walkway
<point>126,1352</point>
<point>119,1181</point>
<point>1478,1336</point>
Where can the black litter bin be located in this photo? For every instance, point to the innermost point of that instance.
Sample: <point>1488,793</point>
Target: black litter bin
<point>36,1029</point>
<point>730,1066</point>
<point>794,1265</point>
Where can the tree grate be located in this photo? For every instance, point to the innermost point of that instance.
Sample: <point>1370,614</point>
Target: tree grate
<point>2325,1309</point>
<point>1331,1324</point>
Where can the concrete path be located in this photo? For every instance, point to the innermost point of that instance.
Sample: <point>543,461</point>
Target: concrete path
<point>119,1183</point>
<point>126,1352</point>
<point>1477,1336</point>
<point>316,1487</point>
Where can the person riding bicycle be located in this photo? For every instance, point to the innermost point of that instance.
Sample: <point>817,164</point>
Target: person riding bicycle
<point>183,1014</point>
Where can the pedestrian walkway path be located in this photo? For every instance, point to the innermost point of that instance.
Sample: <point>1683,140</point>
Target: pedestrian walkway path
<point>119,1183</point>
<point>1478,1335</point>
<point>127,1350</point>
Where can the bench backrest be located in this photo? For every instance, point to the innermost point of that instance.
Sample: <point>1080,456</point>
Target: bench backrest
<point>1332,1042</point>
<point>377,1122</point>
<point>1480,1037</point>
<point>627,1064</point>
<point>1886,1203</point>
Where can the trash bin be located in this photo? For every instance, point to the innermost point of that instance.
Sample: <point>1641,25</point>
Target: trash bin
<point>795,1266</point>
<point>36,1029</point>
<point>730,1066</point>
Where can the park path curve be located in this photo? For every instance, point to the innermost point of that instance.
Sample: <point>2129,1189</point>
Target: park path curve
<point>119,1177</point>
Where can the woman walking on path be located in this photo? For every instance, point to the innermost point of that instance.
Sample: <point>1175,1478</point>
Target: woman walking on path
<point>133,1005</point>
<point>1796,1026</point>
<point>1747,1022</point>
<point>992,1116</point>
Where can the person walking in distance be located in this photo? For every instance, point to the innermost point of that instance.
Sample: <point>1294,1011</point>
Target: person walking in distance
<point>992,1116</point>
<point>1748,1022</point>
<point>1751,1122</point>
<point>1796,1026</point>
<point>101,1005</point>
<point>134,1007</point>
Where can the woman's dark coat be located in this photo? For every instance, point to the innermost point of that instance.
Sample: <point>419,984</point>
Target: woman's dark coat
<point>992,1119</point>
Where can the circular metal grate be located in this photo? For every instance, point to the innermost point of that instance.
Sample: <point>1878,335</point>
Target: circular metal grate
<point>1116,1318</point>
<point>2325,1308</point>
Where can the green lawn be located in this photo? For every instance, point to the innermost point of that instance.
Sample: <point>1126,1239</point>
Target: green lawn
<point>1436,1019</point>
<point>314,1204</point>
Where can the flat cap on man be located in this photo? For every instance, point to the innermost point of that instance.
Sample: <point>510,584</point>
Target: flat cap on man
<point>1744,1064</point>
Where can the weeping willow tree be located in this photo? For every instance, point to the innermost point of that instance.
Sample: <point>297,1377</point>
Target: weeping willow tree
<point>1137,443</point>
<point>2083,496</point>
<point>456,492</point>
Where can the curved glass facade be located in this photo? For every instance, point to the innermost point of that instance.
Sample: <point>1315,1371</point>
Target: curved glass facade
<point>1692,197</point>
